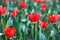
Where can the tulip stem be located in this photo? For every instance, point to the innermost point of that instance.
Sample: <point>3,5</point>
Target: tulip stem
<point>34,31</point>
<point>57,37</point>
<point>2,22</point>
<point>43,31</point>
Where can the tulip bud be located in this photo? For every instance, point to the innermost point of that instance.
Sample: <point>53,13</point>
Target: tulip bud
<point>22,5</point>
<point>43,25</point>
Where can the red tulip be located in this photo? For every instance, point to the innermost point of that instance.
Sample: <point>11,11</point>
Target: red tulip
<point>39,1</point>
<point>45,5</point>
<point>43,8</point>
<point>59,16</point>
<point>53,19</point>
<point>34,18</point>
<point>14,13</point>
<point>13,0</point>
<point>2,10</point>
<point>9,32</point>
<point>32,1</point>
<point>56,1</point>
<point>51,2</point>
<point>43,25</point>
<point>5,1</point>
<point>22,5</point>
<point>56,17</point>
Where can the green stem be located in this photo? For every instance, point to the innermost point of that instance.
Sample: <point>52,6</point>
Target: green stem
<point>3,24</point>
<point>33,32</point>
<point>43,31</point>
<point>36,32</point>
<point>23,11</point>
<point>56,28</point>
<point>50,38</point>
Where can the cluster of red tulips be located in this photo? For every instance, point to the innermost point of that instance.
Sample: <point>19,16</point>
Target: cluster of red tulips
<point>10,32</point>
<point>33,18</point>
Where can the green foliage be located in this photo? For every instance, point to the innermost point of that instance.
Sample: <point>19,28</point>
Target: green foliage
<point>24,28</point>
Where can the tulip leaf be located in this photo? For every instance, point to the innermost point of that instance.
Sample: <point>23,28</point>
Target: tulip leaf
<point>42,36</point>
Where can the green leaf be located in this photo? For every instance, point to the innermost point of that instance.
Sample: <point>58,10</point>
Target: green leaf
<point>9,22</point>
<point>42,36</point>
<point>47,31</point>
